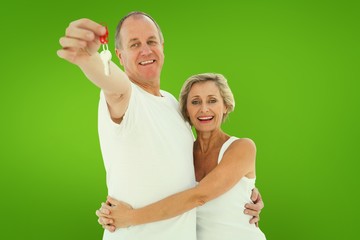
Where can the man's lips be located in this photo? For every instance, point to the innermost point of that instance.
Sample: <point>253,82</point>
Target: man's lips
<point>147,62</point>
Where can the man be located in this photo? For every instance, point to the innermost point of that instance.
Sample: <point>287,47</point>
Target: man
<point>146,145</point>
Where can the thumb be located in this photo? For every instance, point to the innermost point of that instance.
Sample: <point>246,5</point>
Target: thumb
<point>112,201</point>
<point>255,194</point>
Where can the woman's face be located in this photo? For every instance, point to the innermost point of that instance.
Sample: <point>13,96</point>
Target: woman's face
<point>205,106</point>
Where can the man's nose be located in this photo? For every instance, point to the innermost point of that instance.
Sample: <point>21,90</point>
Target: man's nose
<point>145,49</point>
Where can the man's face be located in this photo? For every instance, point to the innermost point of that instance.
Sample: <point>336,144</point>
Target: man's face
<point>142,52</point>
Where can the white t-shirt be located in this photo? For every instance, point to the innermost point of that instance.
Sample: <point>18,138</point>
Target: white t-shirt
<point>223,218</point>
<point>147,157</point>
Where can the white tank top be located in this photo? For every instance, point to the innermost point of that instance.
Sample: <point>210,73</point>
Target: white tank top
<point>223,218</point>
<point>147,157</point>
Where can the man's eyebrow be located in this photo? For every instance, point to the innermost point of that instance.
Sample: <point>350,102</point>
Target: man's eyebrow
<point>133,40</point>
<point>151,38</point>
<point>137,39</point>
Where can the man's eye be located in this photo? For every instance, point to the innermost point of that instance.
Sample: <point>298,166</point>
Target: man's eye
<point>152,43</point>
<point>134,45</point>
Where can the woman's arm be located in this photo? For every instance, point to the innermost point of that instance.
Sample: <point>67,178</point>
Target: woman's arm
<point>238,161</point>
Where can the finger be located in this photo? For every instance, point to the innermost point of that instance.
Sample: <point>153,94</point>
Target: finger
<point>112,201</point>
<point>89,25</point>
<point>110,228</point>
<point>255,194</point>
<point>105,220</point>
<point>98,29</point>
<point>79,33</point>
<point>67,54</point>
<point>255,220</point>
<point>100,214</point>
<point>252,213</point>
<point>253,206</point>
<point>99,221</point>
<point>258,204</point>
<point>66,42</point>
<point>257,199</point>
<point>106,209</point>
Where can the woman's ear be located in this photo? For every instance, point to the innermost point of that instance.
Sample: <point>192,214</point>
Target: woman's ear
<point>226,110</point>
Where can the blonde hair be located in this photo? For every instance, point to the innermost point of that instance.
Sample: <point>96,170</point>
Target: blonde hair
<point>220,82</point>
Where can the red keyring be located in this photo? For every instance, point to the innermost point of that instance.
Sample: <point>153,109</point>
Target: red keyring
<point>104,39</point>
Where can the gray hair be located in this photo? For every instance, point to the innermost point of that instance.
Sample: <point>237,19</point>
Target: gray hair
<point>138,14</point>
<point>220,82</point>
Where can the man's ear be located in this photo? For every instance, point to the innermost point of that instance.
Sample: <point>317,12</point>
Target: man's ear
<point>119,56</point>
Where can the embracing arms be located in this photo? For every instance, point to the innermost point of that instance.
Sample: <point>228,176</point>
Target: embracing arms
<point>238,161</point>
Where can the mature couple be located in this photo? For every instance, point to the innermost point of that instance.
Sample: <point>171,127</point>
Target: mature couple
<point>161,183</point>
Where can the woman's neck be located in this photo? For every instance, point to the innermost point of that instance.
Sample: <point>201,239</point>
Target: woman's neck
<point>206,141</point>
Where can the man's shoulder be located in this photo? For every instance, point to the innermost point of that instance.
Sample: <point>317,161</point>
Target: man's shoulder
<point>170,98</point>
<point>166,93</point>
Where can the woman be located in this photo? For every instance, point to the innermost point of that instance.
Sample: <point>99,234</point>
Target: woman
<point>224,170</point>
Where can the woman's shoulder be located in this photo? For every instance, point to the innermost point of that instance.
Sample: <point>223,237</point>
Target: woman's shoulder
<point>243,144</point>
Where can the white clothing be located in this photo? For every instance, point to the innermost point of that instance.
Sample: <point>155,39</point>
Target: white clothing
<point>147,157</point>
<point>223,218</point>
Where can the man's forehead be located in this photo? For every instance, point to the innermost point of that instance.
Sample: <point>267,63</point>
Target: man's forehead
<point>139,21</point>
<point>139,27</point>
<point>137,39</point>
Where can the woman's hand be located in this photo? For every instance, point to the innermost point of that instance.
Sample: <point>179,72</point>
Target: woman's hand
<point>114,214</point>
<point>254,209</point>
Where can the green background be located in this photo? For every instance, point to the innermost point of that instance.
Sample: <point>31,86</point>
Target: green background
<point>293,68</point>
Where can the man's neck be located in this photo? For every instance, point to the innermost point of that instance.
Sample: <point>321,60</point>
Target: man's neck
<point>152,87</point>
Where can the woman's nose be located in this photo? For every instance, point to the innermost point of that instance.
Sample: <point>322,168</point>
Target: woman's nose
<point>204,108</point>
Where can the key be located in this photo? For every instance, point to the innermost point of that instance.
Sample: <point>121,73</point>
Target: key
<point>105,56</point>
